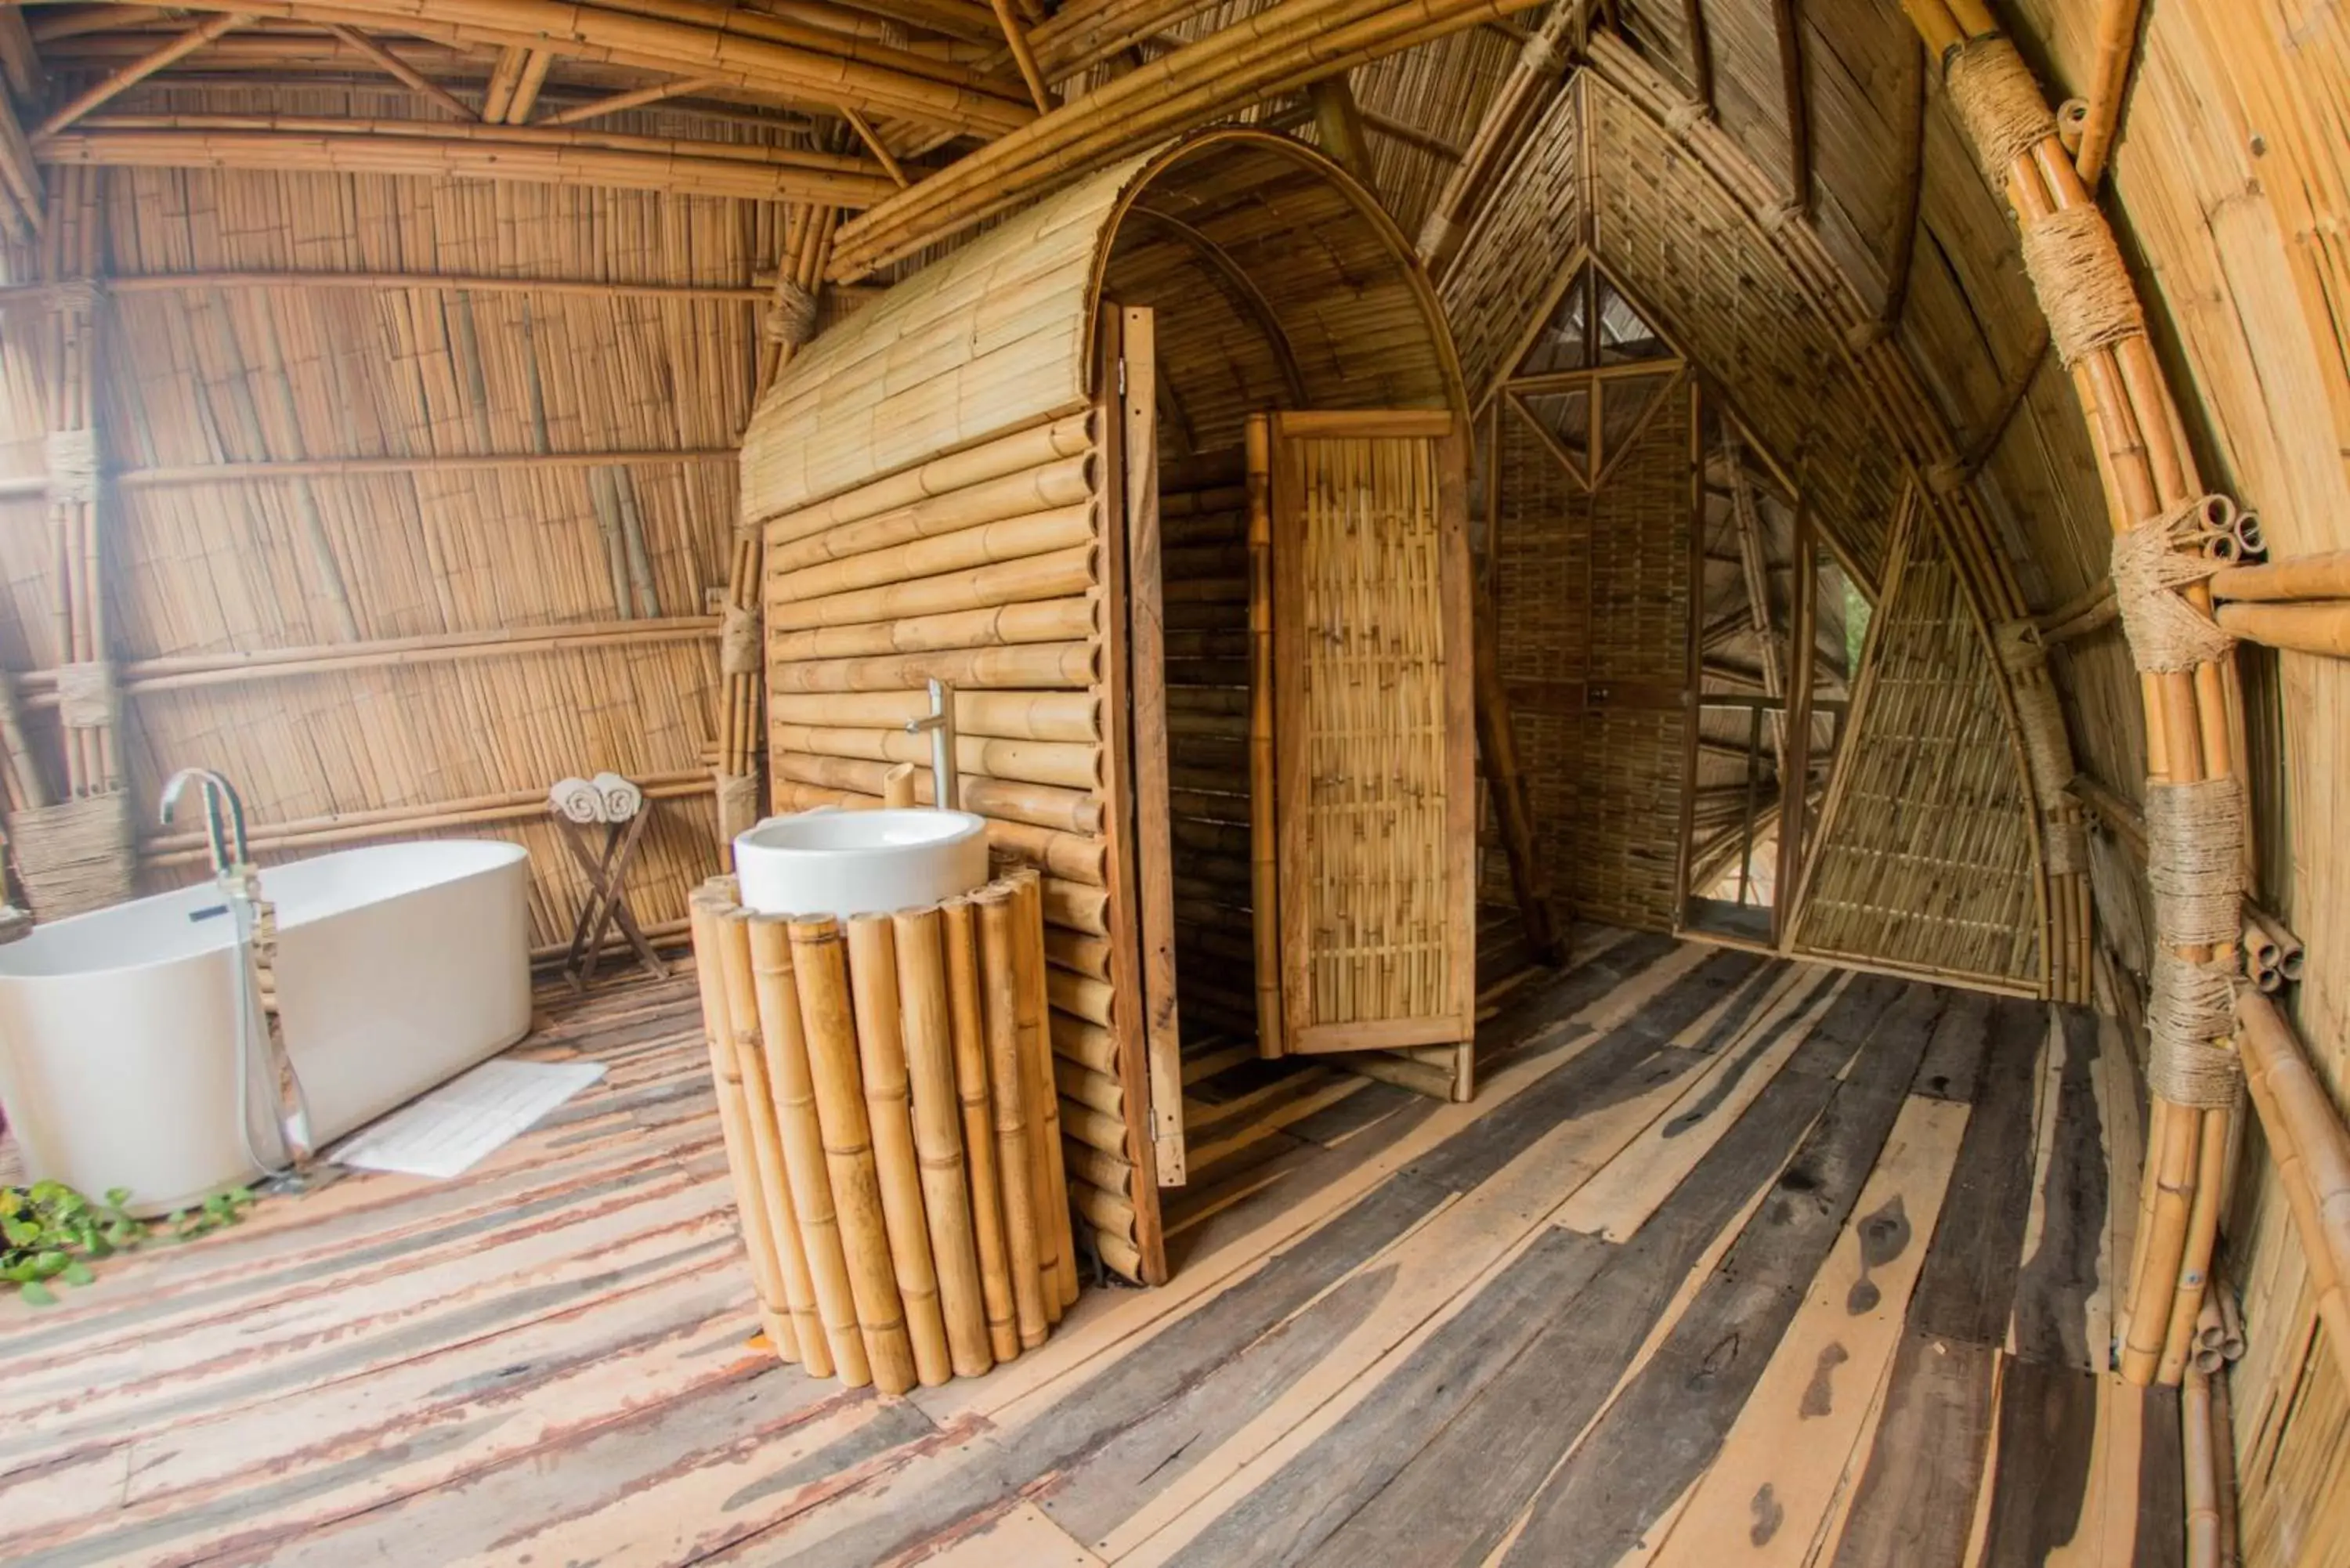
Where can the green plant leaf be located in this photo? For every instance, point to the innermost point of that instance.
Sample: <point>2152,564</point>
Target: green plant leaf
<point>36,1294</point>
<point>76,1272</point>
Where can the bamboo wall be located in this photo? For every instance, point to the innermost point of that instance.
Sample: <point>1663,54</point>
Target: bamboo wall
<point>1925,854</point>
<point>2228,181</point>
<point>385,566</point>
<point>1592,592</point>
<point>935,485</point>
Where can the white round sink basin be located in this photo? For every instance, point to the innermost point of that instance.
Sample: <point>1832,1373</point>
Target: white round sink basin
<point>859,862</point>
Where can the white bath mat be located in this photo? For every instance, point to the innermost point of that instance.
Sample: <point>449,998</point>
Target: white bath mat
<point>449,1131</point>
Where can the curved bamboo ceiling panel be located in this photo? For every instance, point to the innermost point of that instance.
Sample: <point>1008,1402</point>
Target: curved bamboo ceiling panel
<point>997,336</point>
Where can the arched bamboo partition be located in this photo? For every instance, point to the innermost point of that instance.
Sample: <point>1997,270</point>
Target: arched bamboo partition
<point>941,490</point>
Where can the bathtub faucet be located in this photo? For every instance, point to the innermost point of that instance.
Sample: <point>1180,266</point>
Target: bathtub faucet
<point>224,834</point>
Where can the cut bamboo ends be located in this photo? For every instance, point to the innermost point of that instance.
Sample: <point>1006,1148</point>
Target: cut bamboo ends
<point>903,1203</point>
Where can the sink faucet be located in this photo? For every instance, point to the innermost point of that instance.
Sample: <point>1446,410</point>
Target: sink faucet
<point>224,836</point>
<point>946,792</point>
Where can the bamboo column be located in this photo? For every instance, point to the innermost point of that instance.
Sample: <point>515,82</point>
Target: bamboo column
<point>76,855</point>
<point>706,908</point>
<point>785,1047</point>
<point>970,1033</point>
<point>830,1031</point>
<point>1007,1083</point>
<point>926,1017</point>
<point>747,1039</point>
<point>881,1054</point>
<point>1047,1157</point>
<point>2195,807</point>
<point>789,324</point>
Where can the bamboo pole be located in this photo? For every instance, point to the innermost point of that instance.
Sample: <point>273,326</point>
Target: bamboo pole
<point>928,1024</point>
<point>636,97</point>
<point>2321,628</point>
<point>964,1008</point>
<point>1264,884</point>
<point>1036,1037</point>
<point>2320,577</point>
<point>785,1048</point>
<point>2313,1157</point>
<point>1009,1099</point>
<point>377,282</point>
<point>138,71</point>
<point>732,931</point>
<point>2201,1469</point>
<point>881,1052</point>
<point>2108,81</point>
<point>829,1025</point>
<point>400,70</point>
<point>706,908</point>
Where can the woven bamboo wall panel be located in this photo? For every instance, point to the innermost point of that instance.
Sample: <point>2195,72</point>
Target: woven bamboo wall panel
<point>1592,590</point>
<point>1514,253</point>
<point>1680,244</point>
<point>1375,734</point>
<point>1925,856</point>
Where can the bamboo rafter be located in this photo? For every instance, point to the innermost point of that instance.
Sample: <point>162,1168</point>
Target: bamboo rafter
<point>138,71</point>
<point>740,47</point>
<point>1285,48</point>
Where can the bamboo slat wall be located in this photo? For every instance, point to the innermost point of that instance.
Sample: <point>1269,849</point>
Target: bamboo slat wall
<point>1592,593</point>
<point>1510,262</point>
<point>1926,857</point>
<point>413,543</point>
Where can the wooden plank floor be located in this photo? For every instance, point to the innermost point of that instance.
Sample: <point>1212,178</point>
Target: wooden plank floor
<point>1732,1261</point>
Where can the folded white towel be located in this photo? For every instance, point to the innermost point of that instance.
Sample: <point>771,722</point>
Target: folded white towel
<point>577,799</point>
<point>622,799</point>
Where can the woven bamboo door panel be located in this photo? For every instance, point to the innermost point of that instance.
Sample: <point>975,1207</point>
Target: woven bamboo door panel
<point>1374,795</point>
<point>1926,857</point>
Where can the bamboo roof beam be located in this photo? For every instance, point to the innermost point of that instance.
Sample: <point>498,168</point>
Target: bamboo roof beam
<point>1787,26</point>
<point>178,672</point>
<point>1912,190</point>
<point>2109,84</point>
<point>376,282</point>
<point>1283,48</point>
<point>1015,35</point>
<point>635,98</point>
<point>526,90</point>
<point>530,153</point>
<point>876,146</point>
<point>1516,105</point>
<point>742,48</point>
<point>20,62</point>
<point>1339,127</point>
<point>138,70</point>
<point>400,70</point>
<point>364,467</point>
<point>22,200</point>
<point>1700,48</point>
<point>503,81</point>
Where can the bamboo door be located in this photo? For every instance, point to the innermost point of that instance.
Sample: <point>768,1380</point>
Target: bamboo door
<point>1368,834</point>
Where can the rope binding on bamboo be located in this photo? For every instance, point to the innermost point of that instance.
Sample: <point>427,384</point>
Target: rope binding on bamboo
<point>88,695</point>
<point>739,647</point>
<point>792,317</point>
<point>2151,562</point>
<point>2190,1004</point>
<point>1998,103</point>
<point>75,855</point>
<point>2084,286</point>
<point>71,456</point>
<point>738,803</point>
<point>2194,860</point>
<point>1687,115</point>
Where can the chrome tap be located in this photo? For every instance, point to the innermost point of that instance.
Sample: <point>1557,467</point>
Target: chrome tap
<point>255,921</point>
<point>224,836</point>
<point>946,791</point>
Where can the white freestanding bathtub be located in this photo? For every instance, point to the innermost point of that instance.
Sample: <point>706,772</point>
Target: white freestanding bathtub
<point>399,966</point>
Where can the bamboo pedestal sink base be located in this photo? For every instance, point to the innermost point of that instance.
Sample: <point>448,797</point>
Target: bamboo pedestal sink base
<point>885,1083</point>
